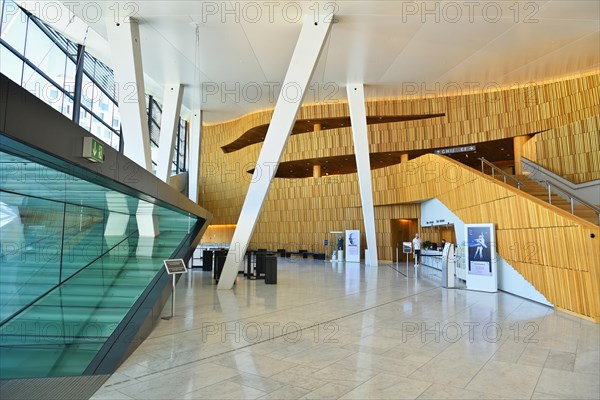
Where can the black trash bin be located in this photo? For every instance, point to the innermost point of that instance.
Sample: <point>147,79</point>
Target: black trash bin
<point>207,260</point>
<point>271,270</point>
<point>220,257</point>
<point>259,271</point>
<point>248,270</point>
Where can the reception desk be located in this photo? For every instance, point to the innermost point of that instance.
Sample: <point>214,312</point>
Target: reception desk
<point>431,258</point>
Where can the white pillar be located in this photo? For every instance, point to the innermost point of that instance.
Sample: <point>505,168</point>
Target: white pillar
<point>302,65</point>
<point>124,41</point>
<point>126,52</point>
<point>169,125</point>
<point>358,118</point>
<point>194,155</point>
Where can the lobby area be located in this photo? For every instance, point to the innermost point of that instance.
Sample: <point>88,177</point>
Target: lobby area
<point>350,331</point>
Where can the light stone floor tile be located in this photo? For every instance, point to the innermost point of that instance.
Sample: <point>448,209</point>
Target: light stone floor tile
<point>379,363</point>
<point>569,385</point>
<point>534,355</point>
<point>292,378</point>
<point>560,360</point>
<point>320,356</point>
<point>175,385</point>
<point>225,390</point>
<point>506,379</point>
<point>331,390</point>
<point>110,395</point>
<point>341,371</point>
<point>357,332</point>
<point>453,372</point>
<point>545,396</point>
<point>254,364</point>
<point>115,382</point>
<point>266,385</point>
<point>385,386</point>
<point>447,392</point>
<point>588,362</point>
<point>286,392</point>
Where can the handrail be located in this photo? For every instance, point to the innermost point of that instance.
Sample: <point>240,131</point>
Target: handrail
<point>571,197</point>
<point>485,162</point>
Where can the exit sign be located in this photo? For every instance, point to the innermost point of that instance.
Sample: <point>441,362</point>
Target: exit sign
<point>93,149</point>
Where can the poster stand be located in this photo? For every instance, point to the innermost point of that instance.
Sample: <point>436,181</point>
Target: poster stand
<point>480,253</point>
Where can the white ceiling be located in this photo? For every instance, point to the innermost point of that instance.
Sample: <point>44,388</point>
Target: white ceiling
<point>397,48</point>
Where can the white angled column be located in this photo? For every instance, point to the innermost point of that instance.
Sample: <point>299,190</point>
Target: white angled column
<point>169,124</point>
<point>194,155</point>
<point>358,118</point>
<point>126,52</point>
<point>302,65</point>
<point>124,42</point>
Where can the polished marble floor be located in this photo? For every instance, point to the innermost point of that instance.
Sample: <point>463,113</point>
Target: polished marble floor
<point>349,331</point>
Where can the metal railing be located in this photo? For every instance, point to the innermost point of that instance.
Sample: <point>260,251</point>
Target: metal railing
<point>506,177</point>
<point>551,188</point>
<point>572,198</point>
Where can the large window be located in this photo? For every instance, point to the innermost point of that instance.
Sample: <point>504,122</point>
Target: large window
<point>154,123</point>
<point>44,62</point>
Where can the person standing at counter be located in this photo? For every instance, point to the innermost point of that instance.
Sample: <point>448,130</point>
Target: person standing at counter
<point>417,249</point>
<point>443,244</point>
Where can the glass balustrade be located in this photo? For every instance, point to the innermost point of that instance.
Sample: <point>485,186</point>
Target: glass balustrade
<point>72,264</point>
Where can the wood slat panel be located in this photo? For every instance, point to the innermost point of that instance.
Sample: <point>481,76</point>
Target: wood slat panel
<point>541,243</point>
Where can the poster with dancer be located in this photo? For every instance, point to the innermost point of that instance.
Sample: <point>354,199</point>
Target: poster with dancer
<point>480,252</point>
<point>479,244</point>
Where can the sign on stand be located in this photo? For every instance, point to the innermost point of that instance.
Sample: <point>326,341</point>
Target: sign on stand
<point>407,249</point>
<point>174,268</point>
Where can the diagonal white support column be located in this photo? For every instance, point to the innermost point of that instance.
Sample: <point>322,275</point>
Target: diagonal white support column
<point>168,129</point>
<point>358,118</point>
<point>124,41</point>
<point>126,52</point>
<point>194,155</point>
<point>309,45</point>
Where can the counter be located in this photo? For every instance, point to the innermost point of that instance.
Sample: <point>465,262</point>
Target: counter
<point>432,258</point>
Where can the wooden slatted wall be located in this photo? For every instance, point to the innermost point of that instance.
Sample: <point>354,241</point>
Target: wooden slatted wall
<point>303,211</point>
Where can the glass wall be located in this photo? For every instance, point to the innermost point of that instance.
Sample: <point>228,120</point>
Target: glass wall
<point>44,62</point>
<point>72,265</point>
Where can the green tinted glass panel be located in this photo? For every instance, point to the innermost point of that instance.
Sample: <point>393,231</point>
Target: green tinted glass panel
<point>72,265</point>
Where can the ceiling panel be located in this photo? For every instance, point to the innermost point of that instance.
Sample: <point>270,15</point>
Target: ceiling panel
<point>453,43</point>
<point>356,57</point>
<point>272,54</point>
<point>385,44</point>
<point>522,44</point>
<point>569,9</point>
<point>562,62</point>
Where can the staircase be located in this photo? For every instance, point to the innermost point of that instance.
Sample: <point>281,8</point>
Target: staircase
<point>540,191</point>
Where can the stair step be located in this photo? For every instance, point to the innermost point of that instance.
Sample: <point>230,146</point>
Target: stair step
<point>540,191</point>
